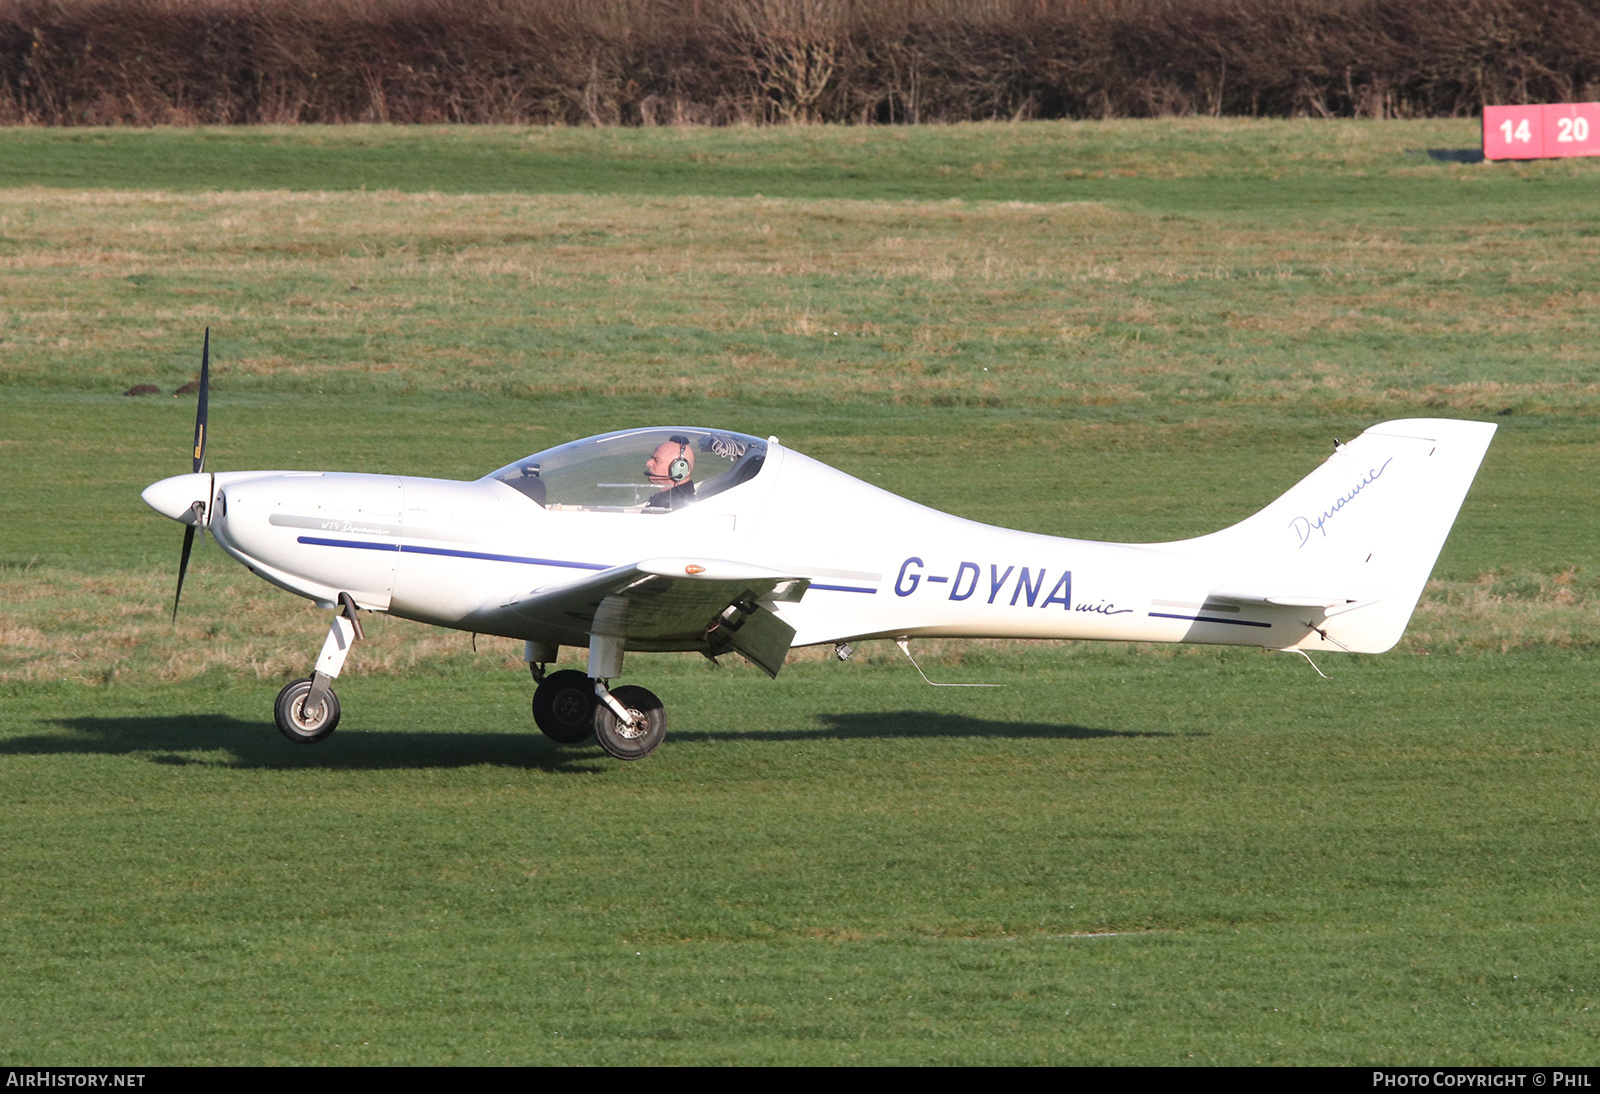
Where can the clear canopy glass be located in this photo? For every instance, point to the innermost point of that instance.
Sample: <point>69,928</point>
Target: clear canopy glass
<point>653,470</point>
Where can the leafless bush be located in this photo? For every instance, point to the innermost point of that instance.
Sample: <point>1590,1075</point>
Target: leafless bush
<point>671,62</point>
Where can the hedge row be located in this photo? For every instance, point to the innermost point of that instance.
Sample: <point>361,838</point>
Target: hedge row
<point>653,62</point>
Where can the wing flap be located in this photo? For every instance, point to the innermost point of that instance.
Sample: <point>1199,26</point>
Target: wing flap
<point>710,605</point>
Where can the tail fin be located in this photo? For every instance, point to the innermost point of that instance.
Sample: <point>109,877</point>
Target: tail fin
<point>1353,543</point>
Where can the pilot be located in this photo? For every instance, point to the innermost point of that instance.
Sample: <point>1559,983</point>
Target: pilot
<point>671,467</point>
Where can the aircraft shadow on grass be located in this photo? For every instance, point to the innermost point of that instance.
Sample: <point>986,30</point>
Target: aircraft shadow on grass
<point>914,724</point>
<point>252,744</point>
<point>169,740</point>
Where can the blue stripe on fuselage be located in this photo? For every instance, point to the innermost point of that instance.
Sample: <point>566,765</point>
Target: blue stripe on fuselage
<point>449,553</point>
<point>358,545</point>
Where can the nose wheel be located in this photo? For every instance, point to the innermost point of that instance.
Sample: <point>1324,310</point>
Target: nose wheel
<point>563,707</point>
<point>637,736</point>
<point>300,725</point>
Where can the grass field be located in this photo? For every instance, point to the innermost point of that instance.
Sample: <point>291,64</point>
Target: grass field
<point>1120,330</point>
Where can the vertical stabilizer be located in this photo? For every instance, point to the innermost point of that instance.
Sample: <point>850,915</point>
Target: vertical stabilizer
<point>1356,539</point>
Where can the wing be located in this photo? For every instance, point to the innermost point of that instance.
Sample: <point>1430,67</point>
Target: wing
<point>668,604</point>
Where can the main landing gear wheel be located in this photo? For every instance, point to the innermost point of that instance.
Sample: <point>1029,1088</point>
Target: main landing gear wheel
<point>636,741</point>
<point>563,707</point>
<point>295,723</point>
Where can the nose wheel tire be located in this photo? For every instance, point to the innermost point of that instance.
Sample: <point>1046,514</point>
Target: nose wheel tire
<point>563,707</point>
<point>648,728</point>
<point>293,721</point>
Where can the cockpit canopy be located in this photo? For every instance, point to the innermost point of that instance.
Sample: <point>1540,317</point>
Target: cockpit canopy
<point>609,472</point>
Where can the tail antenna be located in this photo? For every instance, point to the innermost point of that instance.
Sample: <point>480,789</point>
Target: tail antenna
<point>1310,662</point>
<point>905,648</point>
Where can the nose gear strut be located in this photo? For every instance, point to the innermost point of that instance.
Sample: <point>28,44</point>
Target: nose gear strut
<point>307,711</point>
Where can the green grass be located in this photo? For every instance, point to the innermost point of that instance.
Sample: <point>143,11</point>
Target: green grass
<point>1279,170</point>
<point>1363,280</point>
<point>1214,858</point>
<point>1140,855</point>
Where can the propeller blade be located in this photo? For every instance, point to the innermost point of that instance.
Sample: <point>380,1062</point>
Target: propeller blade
<point>183,564</point>
<point>201,410</point>
<point>201,413</point>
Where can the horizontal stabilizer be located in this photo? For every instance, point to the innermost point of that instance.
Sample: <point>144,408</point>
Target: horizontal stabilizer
<point>1277,599</point>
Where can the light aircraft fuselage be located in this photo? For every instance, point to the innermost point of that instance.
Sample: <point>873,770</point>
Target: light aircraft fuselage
<point>760,548</point>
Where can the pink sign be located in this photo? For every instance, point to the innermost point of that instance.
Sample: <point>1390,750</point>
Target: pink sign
<point>1541,131</point>
<point>1572,129</point>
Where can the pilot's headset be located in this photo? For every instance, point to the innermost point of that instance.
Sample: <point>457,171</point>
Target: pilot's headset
<point>679,469</point>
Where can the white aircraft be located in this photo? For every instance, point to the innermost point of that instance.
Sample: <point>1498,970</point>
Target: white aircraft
<point>754,548</point>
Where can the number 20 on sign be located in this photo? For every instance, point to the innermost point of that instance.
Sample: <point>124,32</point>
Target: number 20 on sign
<point>1541,131</point>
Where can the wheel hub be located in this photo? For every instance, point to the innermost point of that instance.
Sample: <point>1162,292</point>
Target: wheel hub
<point>570,707</point>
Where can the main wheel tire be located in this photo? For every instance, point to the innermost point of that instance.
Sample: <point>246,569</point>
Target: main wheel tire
<point>290,713</point>
<point>639,740</point>
<point>563,707</point>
